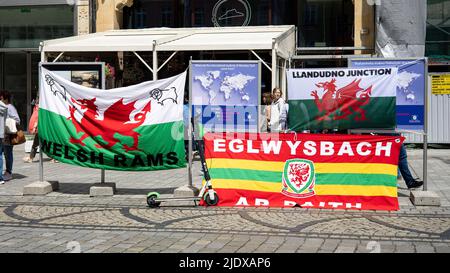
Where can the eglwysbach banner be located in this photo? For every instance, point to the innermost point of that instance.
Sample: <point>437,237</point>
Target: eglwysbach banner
<point>341,98</point>
<point>304,170</point>
<point>135,128</point>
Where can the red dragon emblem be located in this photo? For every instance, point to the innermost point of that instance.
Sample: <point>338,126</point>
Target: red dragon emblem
<point>298,178</point>
<point>116,120</point>
<point>299,173</point>
<point>343,102</point>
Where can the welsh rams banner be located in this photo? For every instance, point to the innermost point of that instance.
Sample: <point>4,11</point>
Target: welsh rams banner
<point>133,128</point>
<point>341,98</point>
<point>305,170</point>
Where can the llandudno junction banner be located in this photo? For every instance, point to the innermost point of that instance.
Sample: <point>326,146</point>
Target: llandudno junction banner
<point>341,98</point>
<point>133,128</point>
<point>304,170</point>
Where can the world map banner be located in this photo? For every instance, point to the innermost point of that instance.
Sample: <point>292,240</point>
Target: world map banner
<point>134,128</point>
<point>356,172</point>
<point>410,86</point>
<point>225,95</point>
<point>341,98</point>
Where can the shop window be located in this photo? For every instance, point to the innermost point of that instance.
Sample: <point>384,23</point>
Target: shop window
<point>325,23</point>
<point>438,31</point>
<point>262,13</point>
<point>199,17</point>
<point>311,13</point>
<point>25,28</point>
<point>319,22</point>
<point>153,13</point>
<point>166,13</point>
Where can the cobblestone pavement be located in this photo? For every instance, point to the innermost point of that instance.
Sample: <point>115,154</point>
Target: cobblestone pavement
<point>70,221</point>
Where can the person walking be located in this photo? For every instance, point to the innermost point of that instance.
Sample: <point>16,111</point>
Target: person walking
<point>403,168</point>
<point>5,97</point>
<point>33,129</point>
<point>278,111</point>
<point>3,115</point>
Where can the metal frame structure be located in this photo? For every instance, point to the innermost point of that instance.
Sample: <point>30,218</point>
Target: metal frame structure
<point>280,41</point>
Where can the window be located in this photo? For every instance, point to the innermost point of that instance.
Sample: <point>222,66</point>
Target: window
<point>166,15</point>
<point>199,17</point>
<point>311,12</point>
<point>140,18</point>
<point>438,29</point>
<point>262,13</point>
<point>325,23</point>
<point>26,27</point>
<point>152,13</point>
<point>319,22</point>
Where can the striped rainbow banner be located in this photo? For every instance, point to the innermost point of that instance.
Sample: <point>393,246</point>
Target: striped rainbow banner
<point>304,170</point>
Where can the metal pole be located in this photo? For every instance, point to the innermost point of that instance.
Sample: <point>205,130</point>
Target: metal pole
<point>29,109</point>
<point>102,176</point>
<point>274,66</point>
<point>143,61</point>
<point>57,58</point>
<point>425,136</point>
<point>259,58</point>
<point>41,162</point>
<point>41,159</point>
<point>259,99</point>
<point>190,131</point>
<point>155,62</point>
<point>102,172</point>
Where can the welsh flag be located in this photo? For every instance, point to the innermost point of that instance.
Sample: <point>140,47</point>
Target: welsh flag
<point>341,98</point>
<point>135,128</point>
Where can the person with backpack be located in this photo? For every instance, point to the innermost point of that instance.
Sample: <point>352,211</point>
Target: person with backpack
<point>5,97</point>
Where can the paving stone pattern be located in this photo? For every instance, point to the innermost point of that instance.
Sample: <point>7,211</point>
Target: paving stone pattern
<point>70,221</point>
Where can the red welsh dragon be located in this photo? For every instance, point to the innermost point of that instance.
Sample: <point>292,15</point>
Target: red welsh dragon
<point>300,173</point>
<point>116,120</point>
<point>345,100</point>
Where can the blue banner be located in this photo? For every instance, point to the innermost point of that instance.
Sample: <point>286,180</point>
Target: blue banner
<point>410,89</point>
<point>226,95</point>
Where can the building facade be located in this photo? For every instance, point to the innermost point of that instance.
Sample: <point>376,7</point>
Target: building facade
<point>336,28</point>
<point>23,25</point>
<point>325,24</point>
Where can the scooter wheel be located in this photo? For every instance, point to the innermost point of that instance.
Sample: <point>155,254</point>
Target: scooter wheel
<point>151,201</point>
<point>210,202</point>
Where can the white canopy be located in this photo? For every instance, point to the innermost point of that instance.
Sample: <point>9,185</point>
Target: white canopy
<point>280,40</point>
<point>181,39</point>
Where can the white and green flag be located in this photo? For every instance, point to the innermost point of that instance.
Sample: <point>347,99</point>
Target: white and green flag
<point>341,98</point>
<point>135,128</point>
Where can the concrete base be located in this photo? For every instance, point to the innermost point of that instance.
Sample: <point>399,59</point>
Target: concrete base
<point>40,187</point>
<point>186,191</point>
<point>102,189</point>
<point>425,198</point>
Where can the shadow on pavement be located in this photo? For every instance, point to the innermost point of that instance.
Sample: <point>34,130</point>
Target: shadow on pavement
<point>74,188</point>
<point>400,194</point>
<point>445,160</point>
<point>16,176</point>
<point>128,191</point>
<point>84,188</point>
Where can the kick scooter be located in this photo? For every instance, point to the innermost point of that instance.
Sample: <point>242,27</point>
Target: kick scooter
<point>206,193</point>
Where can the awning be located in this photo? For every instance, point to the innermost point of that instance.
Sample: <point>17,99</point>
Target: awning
<point>280,38</point>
